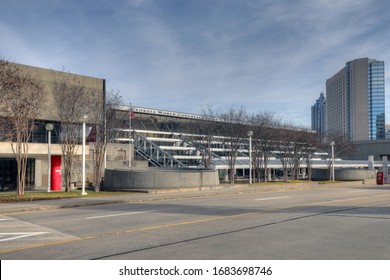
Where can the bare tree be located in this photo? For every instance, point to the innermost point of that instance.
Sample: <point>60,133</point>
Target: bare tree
<point>8,79</point>
<point>21,101</point>
<point>342,146</point>
<point>311,146</point>
<point>264,127</point>
<point>234,130</point>
<point>295,144</point>
<point>106,122</point>
<point>283,148</point>
<point>201,134</point>
<point>72,102</point>
<point>302,145</point>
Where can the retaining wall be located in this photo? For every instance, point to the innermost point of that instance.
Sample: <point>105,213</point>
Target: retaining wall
<point>159,178</point>
<point>344,174</point>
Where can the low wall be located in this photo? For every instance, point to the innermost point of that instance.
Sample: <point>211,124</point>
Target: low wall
<point>344,174</point>
<point>159,178</point>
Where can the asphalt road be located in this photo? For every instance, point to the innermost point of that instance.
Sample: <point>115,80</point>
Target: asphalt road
<point>339,223</point>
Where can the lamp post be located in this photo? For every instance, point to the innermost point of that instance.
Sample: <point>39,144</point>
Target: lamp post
<point>49,127</point>
<point>332,146</point>
<point>250,134</point>
<point>130,138</point>
<point>83,159</point>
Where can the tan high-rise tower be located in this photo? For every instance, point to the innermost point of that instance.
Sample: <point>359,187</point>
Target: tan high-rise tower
<point>356,100</point>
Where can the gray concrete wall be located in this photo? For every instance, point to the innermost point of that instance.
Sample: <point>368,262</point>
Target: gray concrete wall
<point>48,77</point>
<point>363,149</point>
<point>159,178</point>
<point>344,174</point>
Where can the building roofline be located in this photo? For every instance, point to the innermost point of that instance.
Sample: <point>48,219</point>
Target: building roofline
<point>49,69</point>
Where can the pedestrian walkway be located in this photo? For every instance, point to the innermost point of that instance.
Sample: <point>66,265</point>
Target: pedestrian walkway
<point>7,208</point>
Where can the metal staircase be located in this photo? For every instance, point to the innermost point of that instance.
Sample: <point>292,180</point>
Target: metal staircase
<point>154,154</point>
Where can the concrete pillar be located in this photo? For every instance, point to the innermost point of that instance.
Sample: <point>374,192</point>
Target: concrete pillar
<point>385,169</point>
<point>370,162</point>
<point>303,172</point>
<point>39,172</point>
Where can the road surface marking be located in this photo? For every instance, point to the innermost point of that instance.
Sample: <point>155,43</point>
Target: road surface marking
<point>181,223</point>
<point>120,214</point>
<point>271,198</point>
<point>358,191</point>
<point>17,235</point>
<point>346,199</point>
<point>190,222</point>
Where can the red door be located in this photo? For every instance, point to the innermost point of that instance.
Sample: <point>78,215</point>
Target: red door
<point>56,177</point>
<point>379,178</point>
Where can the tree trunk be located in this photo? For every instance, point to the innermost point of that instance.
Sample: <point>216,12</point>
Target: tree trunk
<point>98,174</point>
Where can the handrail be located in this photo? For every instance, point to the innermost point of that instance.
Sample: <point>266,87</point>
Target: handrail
<point>153,153</point>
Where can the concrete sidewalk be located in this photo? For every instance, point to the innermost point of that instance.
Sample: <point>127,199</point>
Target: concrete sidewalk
<point>7,208</point>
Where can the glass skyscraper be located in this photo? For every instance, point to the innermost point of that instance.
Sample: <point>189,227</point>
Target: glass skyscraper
<point>356,100</point>
<point>376,97</point>
<point>318,115</point>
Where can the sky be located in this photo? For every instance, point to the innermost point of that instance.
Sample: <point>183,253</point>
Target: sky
<point>186,55</point>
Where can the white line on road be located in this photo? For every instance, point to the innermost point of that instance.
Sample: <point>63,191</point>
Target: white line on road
<point>18,235</point>
<point>271,198</point>
<point>358,191</point>
<point>3,219</point>
<point>120,214</point>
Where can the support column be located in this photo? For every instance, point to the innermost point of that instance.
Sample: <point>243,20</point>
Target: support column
<point>269,174</point>
<point>370,162</point>
<point>385,170</point>
<point>38,174</point>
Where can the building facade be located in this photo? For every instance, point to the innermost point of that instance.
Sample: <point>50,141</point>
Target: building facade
<point>38,163</point>
<point>356,100</point>
<point>318,115</point>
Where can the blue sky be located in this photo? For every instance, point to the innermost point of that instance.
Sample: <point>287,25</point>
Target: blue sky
<point>184,55</point>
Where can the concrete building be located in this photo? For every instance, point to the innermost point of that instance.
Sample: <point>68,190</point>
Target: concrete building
<point>356,100</point>
<point>37,169</point>
<point>363,149</point>
<point>318,115</point>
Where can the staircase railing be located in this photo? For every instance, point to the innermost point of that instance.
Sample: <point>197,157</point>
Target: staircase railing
<point>154,154</point>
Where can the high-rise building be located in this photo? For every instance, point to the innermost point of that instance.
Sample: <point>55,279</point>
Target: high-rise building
<point>387,129</point>
<point>356,100</point>
<point>318,115</point>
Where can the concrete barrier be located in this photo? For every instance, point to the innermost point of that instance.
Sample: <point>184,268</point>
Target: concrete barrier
<point>159,178</point>
<point>344,174</point>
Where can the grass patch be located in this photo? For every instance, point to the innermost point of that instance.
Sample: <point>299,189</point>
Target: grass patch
<point>11,197</point>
